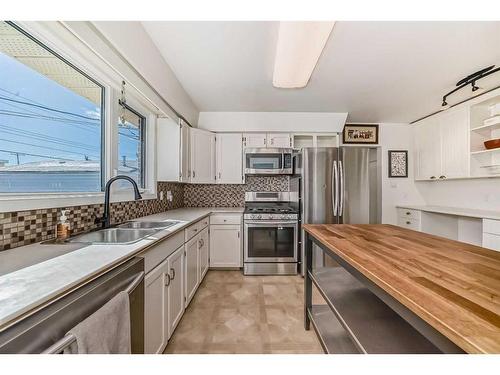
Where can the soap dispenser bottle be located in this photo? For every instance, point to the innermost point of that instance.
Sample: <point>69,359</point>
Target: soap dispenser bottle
<point>63,227</point>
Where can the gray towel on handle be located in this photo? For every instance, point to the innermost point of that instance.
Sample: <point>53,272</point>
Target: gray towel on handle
<point>107,331</point>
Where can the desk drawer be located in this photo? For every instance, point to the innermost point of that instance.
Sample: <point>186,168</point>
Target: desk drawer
<point>408,213</point>
<point>225,219</point>
<point>413,224</point>
<point>491,226</point>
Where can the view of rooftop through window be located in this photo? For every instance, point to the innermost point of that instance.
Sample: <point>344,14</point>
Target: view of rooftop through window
<point>50,120</point>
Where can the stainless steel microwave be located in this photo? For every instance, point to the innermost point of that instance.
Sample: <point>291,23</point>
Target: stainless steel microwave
<point>268,161</point>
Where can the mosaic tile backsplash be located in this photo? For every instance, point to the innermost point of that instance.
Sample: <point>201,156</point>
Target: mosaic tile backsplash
<point>231,195</point>
<point>26,227</point>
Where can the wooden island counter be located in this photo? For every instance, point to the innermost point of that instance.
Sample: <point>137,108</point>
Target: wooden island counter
<point>401,291</point>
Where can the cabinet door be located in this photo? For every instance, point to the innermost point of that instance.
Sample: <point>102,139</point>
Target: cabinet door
<point>255,140</point>
<point>427,149</point>
<point>454,125</point>
<point>225,246</point>
<point>229,159</point>
<point>176,298</point>
<point>156,310</point>
<point>202,156</point>
<point>191,267</point>
<point>203,254</point>
<point>279,140</point>
<point>184,153</point>
<point>168,137</point>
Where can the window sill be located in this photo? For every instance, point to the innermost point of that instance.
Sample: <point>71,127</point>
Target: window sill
<point>25,202</point>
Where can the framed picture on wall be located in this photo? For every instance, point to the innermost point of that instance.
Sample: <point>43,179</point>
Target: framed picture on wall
<point>360,134</point>
<point>398,163</point>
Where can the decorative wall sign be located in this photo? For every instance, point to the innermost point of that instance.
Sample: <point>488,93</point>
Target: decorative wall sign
<point>360,134</point>
<point>398,163</point>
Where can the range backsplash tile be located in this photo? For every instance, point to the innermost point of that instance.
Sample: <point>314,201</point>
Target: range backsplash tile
<point>224,195</point>
<point>26,227</point>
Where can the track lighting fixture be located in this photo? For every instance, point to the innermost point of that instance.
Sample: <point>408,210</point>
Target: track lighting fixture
<point>470,80</point>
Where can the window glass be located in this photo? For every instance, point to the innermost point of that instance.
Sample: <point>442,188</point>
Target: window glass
<point>131,130</point>
<point>50,120</point>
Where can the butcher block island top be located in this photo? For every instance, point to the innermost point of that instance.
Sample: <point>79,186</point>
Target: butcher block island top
<point>452,286</point>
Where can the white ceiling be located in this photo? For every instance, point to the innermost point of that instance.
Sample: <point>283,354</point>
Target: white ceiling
<point>375,71</point>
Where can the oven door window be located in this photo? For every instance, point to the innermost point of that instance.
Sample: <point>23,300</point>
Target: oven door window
<point>264,161</point>
<point>271,242</point>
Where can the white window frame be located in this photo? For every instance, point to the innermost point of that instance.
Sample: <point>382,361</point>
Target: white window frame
<point>60,40</point>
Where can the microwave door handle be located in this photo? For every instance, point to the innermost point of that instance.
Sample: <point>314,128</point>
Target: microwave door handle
<point>334,188</point>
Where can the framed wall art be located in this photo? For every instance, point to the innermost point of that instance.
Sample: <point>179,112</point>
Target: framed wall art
<point>360,134</point>
<point>398,163</point>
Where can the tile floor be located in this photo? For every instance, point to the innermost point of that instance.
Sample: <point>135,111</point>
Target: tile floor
<point>232,313</point>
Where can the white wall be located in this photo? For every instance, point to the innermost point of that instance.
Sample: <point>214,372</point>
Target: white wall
<point>272,121</point>
<point>396,190</point>
<point>475,193</point>
<point>131,40</point>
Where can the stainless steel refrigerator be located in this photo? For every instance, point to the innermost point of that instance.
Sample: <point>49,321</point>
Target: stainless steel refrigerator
<point>336,186</point>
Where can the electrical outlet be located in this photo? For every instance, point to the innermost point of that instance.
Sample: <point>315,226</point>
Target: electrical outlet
<point>161,195</point>
<point>170,196</point>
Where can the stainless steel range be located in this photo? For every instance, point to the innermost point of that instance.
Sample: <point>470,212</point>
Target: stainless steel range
<point>271,234</point>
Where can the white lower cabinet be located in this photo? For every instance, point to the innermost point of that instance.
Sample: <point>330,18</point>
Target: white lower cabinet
<point>192,266</point>
<point>225,246</point>
<point>155,312</point>
<point>176,297</point>
<point>203,254</point>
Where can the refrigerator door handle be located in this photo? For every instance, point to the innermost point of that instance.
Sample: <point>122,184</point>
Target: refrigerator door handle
<point>335,188</point>
<point>342,187</point>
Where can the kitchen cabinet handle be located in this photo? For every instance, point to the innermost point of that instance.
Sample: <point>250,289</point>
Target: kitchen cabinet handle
<point>238,234</point>
<point>194,174</point>
<point>408,222</point>
<point>167,283</point>
<point>173,271</point>
<point>442,177</point>
<point>219,175</point>
<point>433,177</point>
<point>408,213</point>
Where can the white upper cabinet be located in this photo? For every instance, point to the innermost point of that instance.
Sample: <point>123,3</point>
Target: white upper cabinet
<point>172,151</point>
<point>202,156</point>
<point>279,140</point>
<point>229,158</point>
<point>442,145</point>
<point>427,149</point>
<point>454,125</point>
<point>269,140</point>
<point>255,140</point>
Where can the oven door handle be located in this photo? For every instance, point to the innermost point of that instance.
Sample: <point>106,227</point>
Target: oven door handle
<point>263,223</point>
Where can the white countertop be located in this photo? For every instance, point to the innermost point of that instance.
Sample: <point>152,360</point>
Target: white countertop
<point>456,211</point>
<point>26,289</point>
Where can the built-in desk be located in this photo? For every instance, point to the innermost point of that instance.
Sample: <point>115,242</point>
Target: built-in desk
<point>476,227</point>
<point>401,291</point>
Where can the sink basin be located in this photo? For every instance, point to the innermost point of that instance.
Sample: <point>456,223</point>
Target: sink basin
<point>148,224</point>
<point>114,236</point>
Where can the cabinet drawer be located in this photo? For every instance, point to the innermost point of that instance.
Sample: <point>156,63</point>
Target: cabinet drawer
<point>491,241</point>
<point>156,254</point>
<point>225,219</point>
<point>408,213</point>
<point>491,226</point>
<point>413,224</point>
<point>195,228</point>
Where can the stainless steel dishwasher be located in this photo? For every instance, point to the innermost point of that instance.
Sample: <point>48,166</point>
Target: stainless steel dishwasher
<point>44,331</point>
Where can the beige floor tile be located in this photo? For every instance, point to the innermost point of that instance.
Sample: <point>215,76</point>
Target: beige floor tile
<point>232,313</point>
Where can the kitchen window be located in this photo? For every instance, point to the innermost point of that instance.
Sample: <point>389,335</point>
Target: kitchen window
<point>131,146</point>
<point>51,120</point>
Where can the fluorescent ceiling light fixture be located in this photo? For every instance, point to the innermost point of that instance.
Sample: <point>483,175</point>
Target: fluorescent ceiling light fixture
<point>299,47</point>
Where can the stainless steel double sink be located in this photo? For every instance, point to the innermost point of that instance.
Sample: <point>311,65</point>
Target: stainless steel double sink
<point>126,233</point>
